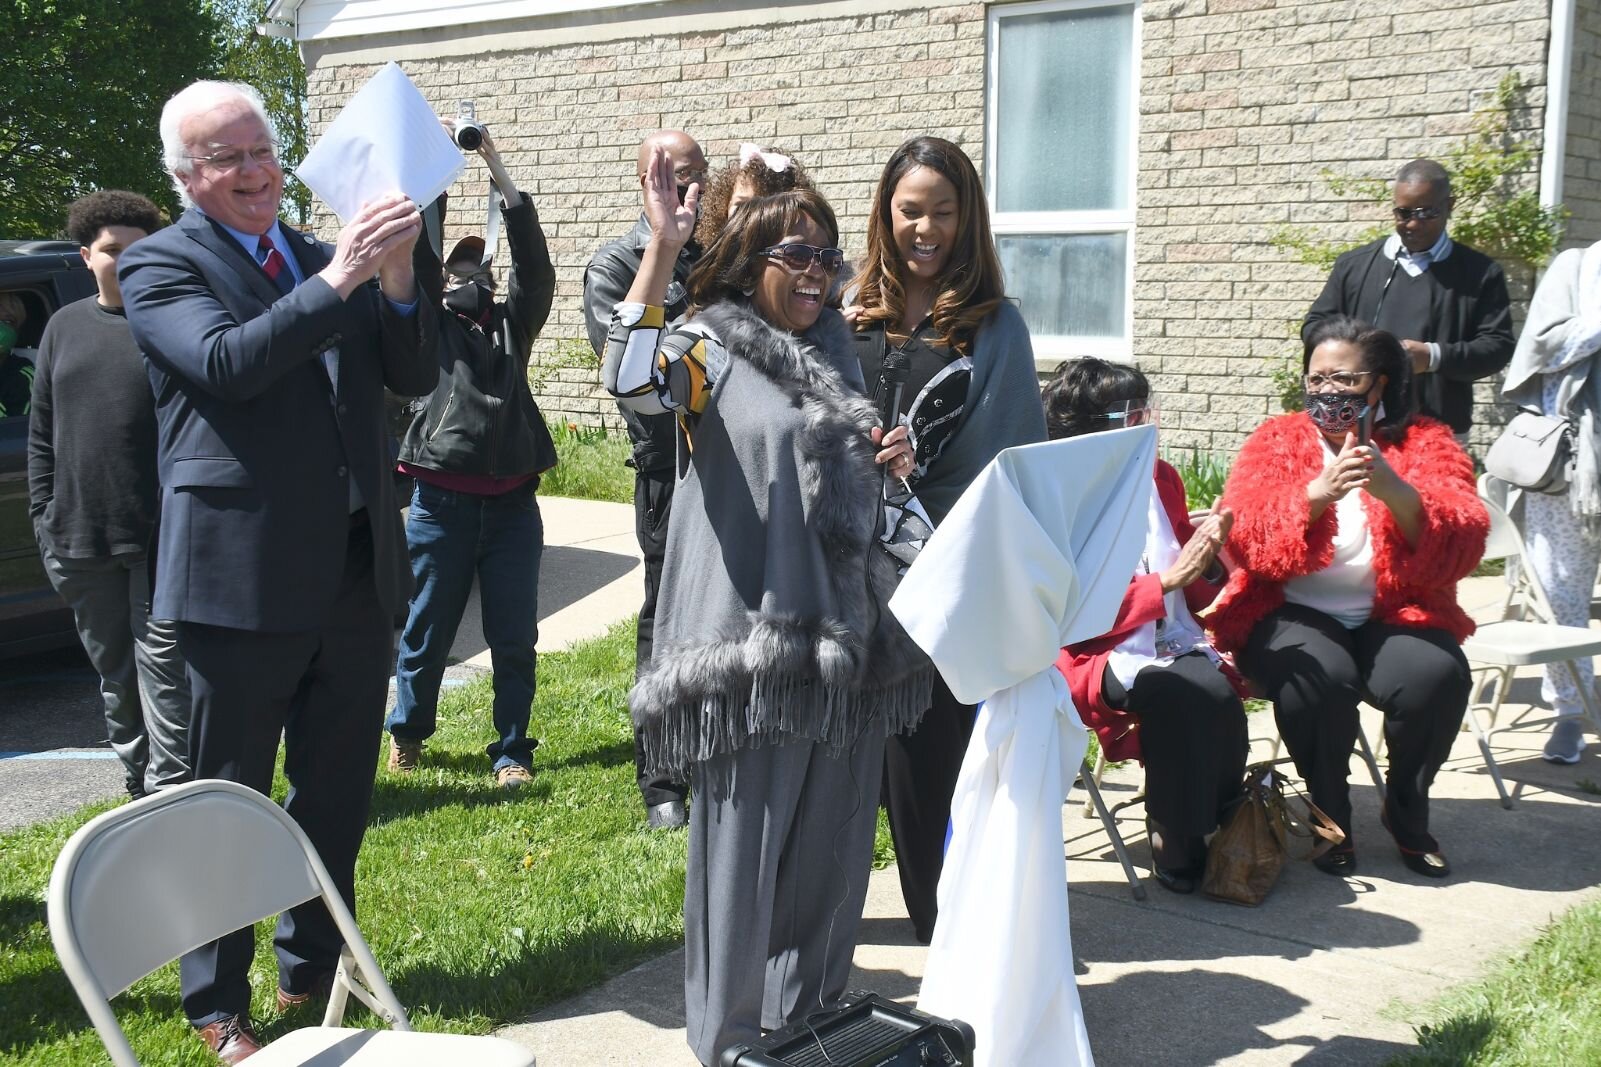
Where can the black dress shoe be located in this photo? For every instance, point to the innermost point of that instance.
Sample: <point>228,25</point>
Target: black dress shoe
<point>1425,859</point>
<point>1183,881</point>
<point>668,815</point>
<point>1340,862</point>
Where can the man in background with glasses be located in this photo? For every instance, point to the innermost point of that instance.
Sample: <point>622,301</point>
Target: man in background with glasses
<point>607,280</point>
<point>1447,303</point>
<point>279,550</point>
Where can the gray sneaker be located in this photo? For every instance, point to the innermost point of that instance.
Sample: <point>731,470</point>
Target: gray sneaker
<point>1567,741</point>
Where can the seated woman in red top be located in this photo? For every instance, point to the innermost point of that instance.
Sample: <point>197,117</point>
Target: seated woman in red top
<point>1152,688</point>
<point>1348,552</point>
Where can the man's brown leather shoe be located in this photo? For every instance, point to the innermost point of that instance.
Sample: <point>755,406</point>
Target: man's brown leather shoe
<point>319,991</point>
<point>231,1039</point>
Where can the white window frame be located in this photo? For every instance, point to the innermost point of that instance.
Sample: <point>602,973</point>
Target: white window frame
<point>1048,349</point>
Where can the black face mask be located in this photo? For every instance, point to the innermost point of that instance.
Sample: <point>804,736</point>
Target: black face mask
<point>470,301</point>
<point>1337,413</point>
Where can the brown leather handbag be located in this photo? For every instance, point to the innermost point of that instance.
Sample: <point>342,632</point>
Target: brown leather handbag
<point>1247,854</point>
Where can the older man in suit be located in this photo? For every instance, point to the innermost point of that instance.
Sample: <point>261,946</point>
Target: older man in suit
<point>280,551</point>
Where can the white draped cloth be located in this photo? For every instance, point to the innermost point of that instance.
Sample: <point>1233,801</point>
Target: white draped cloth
<point>1035,555</point>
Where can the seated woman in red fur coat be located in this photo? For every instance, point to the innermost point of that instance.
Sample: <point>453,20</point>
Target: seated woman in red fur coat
<point>1348,553</point>
<point>1152,688</point>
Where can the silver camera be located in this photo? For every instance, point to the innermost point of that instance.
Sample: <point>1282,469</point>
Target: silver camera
<point>469,131</point>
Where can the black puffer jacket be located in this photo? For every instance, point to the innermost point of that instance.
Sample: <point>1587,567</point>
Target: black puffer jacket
<point>482,419</point>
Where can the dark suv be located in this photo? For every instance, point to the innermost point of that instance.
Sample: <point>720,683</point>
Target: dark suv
<point>44,275</point>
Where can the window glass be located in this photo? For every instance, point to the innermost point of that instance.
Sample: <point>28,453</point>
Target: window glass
<point>1063,110</point>
<point>1070,285</point>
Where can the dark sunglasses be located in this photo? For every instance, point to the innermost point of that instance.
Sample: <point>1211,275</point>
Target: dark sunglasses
<point>799,258</point>
<point>1421,214</point>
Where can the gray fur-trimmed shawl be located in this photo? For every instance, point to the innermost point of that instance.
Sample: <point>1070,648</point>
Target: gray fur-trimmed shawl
<point>771,622</point>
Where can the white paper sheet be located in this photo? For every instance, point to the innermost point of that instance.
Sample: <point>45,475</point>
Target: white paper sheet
<point>386,138</point>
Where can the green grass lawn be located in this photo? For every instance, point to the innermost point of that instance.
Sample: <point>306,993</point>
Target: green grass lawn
<point>1539,1009</point>
<point>480,906</point>
<point>589,465</point>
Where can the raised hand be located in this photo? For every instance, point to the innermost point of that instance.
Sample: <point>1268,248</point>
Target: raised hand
<point>671,223</point>
<point>373,241</point>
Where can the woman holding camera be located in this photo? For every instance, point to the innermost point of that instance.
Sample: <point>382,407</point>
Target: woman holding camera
<point>778,670</point>
<point>1354,520</point>
<point>930,290</point>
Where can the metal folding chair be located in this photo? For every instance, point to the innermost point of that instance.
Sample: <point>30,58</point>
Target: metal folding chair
<point>1090,778</point>
<point>145,883</point>
<point>1529,636</point>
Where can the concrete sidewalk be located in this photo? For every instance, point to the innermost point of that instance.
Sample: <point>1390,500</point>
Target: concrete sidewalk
<point>1324,972</point>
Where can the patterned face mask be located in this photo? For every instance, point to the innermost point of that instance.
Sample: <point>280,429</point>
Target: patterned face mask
<point>1336,413</point>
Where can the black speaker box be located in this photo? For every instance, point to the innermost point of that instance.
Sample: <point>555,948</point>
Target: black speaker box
<point>866,1030</point>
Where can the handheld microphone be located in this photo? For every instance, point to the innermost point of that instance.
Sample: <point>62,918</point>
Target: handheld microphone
<point>892,375</point>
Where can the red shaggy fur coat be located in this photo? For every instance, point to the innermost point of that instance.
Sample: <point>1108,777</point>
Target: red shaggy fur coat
<point>1271,543</point>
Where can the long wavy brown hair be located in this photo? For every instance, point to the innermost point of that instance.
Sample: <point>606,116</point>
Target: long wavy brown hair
<point>766,182</point>
<point>732,263</point>
<point>971,286</point>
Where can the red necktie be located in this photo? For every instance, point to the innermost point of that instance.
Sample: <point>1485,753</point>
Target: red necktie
<point>272,261</point>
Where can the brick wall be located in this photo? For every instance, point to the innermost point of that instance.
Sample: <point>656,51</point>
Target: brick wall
<point>1582,181</point>
<point>1243,103</point>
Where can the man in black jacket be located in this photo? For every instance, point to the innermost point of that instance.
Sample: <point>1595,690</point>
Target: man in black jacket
<point>1446,302</point>
<point>477,450</point>
<point>611,271</point>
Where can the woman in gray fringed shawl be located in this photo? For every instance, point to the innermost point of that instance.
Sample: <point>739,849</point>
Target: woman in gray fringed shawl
<point>778,672</point>
<point>1554,371</point>
<point>930,287</point>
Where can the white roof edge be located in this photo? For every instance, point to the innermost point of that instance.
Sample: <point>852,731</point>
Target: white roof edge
<point>323,27</point>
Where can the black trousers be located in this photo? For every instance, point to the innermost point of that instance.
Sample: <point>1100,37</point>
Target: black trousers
<point>1316,672</point>
<point>653,503</point>
<point>1192,741</point>
<point>324,691</point>
<point>920,771</point>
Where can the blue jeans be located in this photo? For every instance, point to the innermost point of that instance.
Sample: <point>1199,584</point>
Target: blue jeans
<point>451,537</point>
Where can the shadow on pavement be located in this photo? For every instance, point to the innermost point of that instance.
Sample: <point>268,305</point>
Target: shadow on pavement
<point>567,575</point>
<point>1184,1018</point>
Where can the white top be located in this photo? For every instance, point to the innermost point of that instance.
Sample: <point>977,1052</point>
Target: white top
<point>1160,641</point>
<point>1344,589</point>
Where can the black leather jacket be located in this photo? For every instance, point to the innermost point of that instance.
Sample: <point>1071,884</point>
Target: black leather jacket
<point>607,279</point>
<point>482,419</point>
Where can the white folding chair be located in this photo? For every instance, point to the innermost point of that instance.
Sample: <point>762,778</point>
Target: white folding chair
<point>1498,649</point>
<point>142,884</point>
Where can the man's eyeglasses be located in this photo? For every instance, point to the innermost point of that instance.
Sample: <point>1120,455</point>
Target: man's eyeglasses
<point>1344,379</point>
<point>227,160</point>
<point>1418,214</point>
<point>799,258</point>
